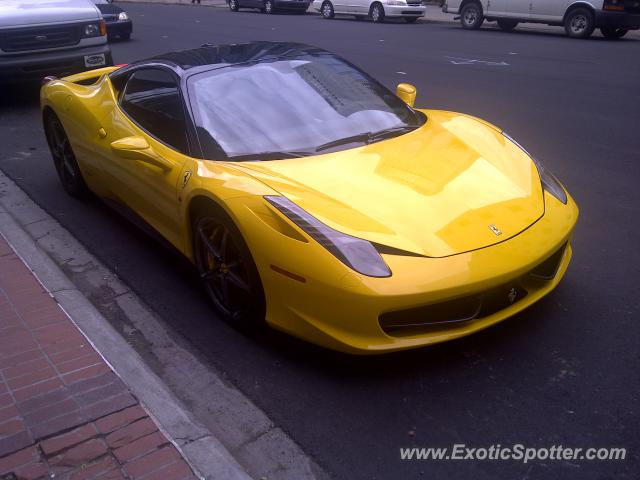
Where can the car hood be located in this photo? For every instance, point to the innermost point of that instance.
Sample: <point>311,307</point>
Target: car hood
<point>454,185</point>
<point>109,9</point>
<point>16,13</point>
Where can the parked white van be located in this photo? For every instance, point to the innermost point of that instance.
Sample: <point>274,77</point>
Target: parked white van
<point>378,10</point>
<point>614,18</point>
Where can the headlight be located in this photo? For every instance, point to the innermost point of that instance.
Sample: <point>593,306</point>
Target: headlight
<point>549,182</point>
<point>94,29</point>
<point>123,16</point>
<point>356,253</point>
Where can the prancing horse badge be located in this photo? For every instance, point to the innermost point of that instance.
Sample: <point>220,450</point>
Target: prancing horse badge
<point>495,230</point>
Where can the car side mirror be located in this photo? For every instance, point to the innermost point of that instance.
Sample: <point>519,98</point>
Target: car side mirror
<point>137,148</point>
<point>407,93</point>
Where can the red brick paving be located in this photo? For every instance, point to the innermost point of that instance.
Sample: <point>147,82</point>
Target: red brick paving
<point>63,411</point>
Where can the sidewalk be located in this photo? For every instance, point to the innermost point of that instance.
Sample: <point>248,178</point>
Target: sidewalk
<point>64,413</point>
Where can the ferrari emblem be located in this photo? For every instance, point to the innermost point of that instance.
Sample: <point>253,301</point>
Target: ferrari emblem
<point>185,178</point>
<point>512,295</point>
<point>495,230</point>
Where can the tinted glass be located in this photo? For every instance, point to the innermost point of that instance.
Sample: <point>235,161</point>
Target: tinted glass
<point>290,105</point>
<point>152,99</point>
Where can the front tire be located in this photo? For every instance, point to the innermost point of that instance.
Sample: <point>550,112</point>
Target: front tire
<point>227,270</point>
<point>63,158</point>
<point>613,32</point>
<point>234,6</point>
<point>327,10</point>
<point>579,23</point>
<point>471,16</point>
<point>507,25</point>
<point>377,13</point>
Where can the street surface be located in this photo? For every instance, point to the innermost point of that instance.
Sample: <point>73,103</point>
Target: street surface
<point>563,372</point>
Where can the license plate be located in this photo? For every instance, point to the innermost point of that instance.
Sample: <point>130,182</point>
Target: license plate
<point>94,60</point>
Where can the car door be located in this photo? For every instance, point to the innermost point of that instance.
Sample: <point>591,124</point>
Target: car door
<point>149,146</point>
<point>549,10</point>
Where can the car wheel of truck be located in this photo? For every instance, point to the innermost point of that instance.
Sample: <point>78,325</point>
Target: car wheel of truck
<point>507,25</point>
<point>579,23</point>
<point>471,16</point>
<point>327,10</point>
<point>63,158</point>
<point>269,7</point>
<point>377,13</point>
<point>613,32</point>
<point>234,6</point>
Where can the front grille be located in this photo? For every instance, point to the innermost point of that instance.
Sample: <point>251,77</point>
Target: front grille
<point>110,17</point>
<point>442,315</point>
<point>38,38</point>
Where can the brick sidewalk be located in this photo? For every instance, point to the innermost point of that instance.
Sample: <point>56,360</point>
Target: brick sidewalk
<point>64,413</point>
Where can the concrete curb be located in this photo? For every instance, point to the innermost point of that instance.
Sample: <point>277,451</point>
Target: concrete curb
<point>205,453</point>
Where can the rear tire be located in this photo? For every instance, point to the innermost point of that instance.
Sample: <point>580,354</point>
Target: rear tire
<point>227,270</point>
<point>64,159</point>
<point>613,32</point>
<point>377,13</point>
<point>234,6</point>
<point>471,16</point>
<point>507,25</point>
<point>579,23</point>
<point>327,10</point>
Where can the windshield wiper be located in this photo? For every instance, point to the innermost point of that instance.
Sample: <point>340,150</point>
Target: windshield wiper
<point>366,138</point>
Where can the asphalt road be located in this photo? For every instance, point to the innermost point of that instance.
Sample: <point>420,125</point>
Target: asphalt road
<point>563,372</point>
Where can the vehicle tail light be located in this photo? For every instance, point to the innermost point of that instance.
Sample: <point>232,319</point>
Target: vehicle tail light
<point>614,5</point>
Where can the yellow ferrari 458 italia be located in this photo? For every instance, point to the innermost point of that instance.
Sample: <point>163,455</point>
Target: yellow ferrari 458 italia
<point>311,197</point>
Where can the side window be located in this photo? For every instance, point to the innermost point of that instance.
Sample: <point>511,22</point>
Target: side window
<point>152,99</point>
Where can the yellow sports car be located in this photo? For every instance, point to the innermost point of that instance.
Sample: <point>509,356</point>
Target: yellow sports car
<point>311,197</point>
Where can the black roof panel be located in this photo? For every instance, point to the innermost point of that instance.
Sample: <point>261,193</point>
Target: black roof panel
<point>224,55</point>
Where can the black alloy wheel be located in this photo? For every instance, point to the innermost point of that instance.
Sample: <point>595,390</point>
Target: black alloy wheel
<point>63,158</point>
<point>227,271</point>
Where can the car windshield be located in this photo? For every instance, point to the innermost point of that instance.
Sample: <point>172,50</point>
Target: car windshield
<point>291,107</point>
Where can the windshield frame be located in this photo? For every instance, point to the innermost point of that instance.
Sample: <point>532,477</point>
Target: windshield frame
<point>193,109</point>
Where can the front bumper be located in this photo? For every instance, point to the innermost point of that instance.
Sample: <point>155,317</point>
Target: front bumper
<point>337,308</point>
<point>404,10</point>
<point>19,68</point>
<point>626,20</point>
<point>119,28</point>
